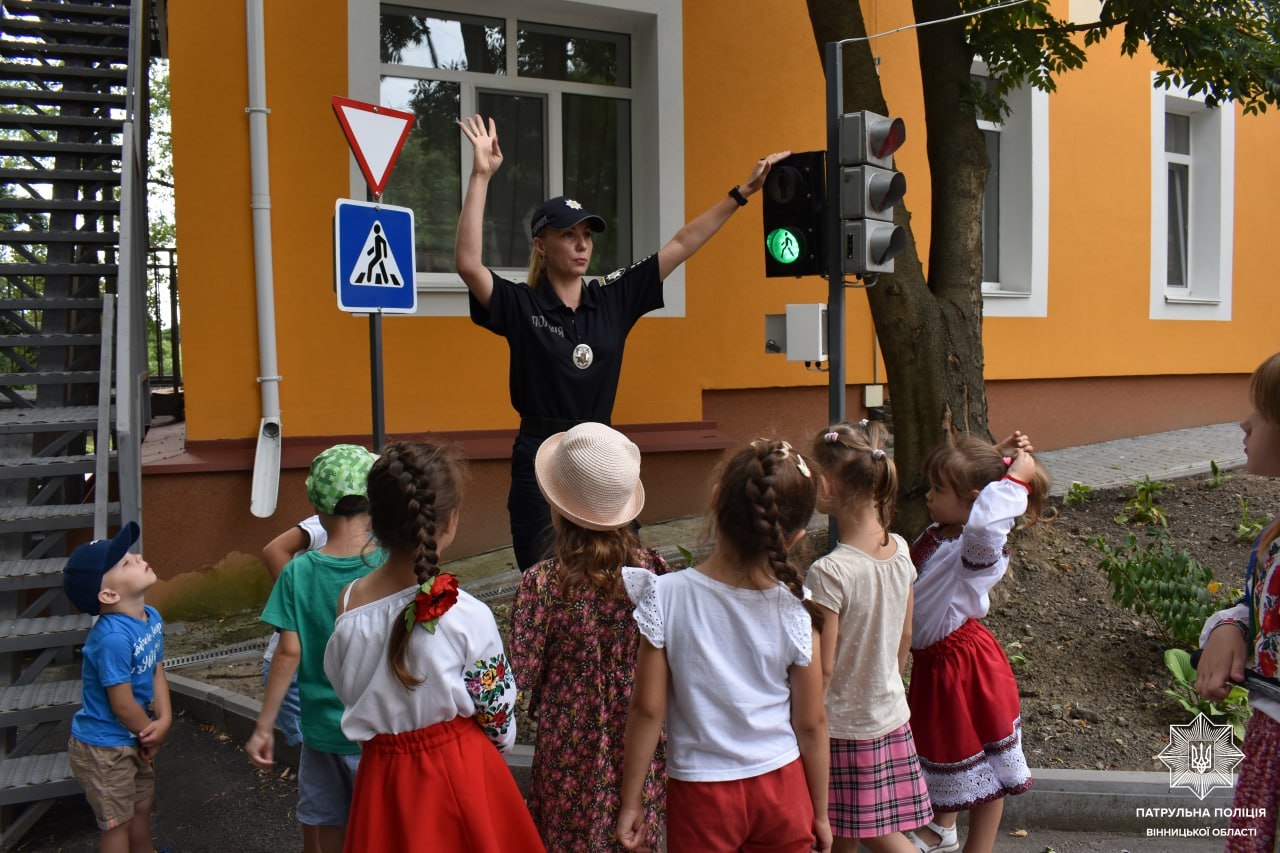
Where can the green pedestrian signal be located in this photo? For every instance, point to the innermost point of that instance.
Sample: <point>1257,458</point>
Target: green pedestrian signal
<point>783,245</point>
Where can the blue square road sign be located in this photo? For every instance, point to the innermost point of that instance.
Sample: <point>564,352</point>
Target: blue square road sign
<point>374,257</point>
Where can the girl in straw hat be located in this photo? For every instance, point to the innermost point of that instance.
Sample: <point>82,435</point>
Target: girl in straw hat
<point>574,641</point>
<point>420,667</point>
<point>727,661</point>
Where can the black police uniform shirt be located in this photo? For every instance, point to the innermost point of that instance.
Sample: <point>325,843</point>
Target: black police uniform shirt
<point>546,379</point>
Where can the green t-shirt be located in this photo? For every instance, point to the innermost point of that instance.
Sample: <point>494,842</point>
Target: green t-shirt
<point>305,600</point>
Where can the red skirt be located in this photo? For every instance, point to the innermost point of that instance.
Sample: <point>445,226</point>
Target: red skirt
<point>966,720</point>
<point>444,789</point>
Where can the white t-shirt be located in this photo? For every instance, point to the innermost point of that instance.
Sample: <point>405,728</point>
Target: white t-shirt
<point>956,574</point>
<point>866,698</point>
<point>317,537</point>
<point>729,651</point>
<point>466,671</point>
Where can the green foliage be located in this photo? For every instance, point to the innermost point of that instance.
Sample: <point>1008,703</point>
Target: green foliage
<point>1250,525</point>
<point>686,555</point>
<point>1015,654</point>
<point>1142,507</point>
<point>1151,578</point>
<point>1077,494</point>
<point>1233,710</point>
<point>1216,475</point>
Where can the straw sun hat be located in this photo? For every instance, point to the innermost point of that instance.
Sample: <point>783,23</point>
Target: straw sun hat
<point>591,476</point>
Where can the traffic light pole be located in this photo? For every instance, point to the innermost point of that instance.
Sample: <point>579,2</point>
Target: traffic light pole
<point>835,260</point>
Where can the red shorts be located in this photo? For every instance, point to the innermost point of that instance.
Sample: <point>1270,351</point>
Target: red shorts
<point>772,812</point>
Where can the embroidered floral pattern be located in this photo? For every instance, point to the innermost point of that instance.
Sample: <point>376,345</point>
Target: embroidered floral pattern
<point>1267,604</point>
<point>492,687</point>
<point>575,657</point>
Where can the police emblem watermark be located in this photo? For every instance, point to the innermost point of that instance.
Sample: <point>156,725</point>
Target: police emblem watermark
<point>1201,756</point>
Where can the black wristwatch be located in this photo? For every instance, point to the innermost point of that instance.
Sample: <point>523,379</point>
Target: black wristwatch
<point>736,195</point>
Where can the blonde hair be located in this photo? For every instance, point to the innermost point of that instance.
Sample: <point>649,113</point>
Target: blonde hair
<point>537,267</point>
<point>854,461</point>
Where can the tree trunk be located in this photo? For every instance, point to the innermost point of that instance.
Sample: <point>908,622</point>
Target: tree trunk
<point>929,331</point>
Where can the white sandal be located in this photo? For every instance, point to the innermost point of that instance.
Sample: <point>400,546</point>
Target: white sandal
<point>947,840</point>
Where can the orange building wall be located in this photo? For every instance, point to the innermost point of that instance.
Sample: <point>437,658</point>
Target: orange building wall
<point>744,96</point>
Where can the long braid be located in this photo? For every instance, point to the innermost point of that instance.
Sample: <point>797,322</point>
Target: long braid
<point>411,487</point>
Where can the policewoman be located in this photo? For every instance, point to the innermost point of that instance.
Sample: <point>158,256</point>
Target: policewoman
<point>566,334</point>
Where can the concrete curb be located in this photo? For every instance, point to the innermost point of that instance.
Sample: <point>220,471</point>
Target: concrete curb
<point>1078,800</point>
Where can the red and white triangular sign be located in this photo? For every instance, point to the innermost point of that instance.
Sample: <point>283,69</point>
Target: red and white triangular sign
<point>376,135</point>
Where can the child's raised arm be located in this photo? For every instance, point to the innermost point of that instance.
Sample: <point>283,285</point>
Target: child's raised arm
<point>809,720</point>
<point>645,717</point>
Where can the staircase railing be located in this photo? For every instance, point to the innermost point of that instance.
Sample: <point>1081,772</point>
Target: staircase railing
<point>133,406</point>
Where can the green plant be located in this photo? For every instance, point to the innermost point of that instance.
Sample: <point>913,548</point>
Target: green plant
<point>1250,525</point>
<point>1016,658</point>
<point>1077,493</point>
<point>1216,475</point>
<point>686,555</point>
<point>1233,710</point>
<point>1151,578</point>
<point>1142,507</point>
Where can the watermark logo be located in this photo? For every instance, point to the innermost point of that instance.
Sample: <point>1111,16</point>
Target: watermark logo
<point>1201,756</point>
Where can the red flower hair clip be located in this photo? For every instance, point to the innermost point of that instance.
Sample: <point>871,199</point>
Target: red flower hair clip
<point>433,600</point>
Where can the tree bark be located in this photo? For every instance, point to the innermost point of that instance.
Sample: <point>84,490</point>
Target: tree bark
<point>929,329</point>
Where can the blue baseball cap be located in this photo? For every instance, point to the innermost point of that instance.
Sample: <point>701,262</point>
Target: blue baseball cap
<point>562,212</point>
<point>82,578</point>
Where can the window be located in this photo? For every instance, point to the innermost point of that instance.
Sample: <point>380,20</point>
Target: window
<point>574,94</point>
<point>1015,210</point>
<point>1192,198</point>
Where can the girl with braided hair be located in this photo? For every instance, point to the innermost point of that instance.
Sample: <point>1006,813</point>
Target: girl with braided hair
<point>727,661</point>
<point>420,667</point>
<point>863,588</point>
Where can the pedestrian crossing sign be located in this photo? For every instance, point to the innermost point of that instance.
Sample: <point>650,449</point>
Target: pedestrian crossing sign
<point>374,258</point>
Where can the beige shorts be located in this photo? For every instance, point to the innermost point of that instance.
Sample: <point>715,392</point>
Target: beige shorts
<point>115,780</point>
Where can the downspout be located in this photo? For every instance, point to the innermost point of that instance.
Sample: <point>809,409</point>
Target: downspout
<point>266,460</point>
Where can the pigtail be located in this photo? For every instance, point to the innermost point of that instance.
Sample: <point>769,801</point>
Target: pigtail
<point>856,462</point>
<point>766,496</point>
<point>1037,492</point>
<point>412,487</point>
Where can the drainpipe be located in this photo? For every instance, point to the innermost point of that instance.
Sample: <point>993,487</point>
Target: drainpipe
<point>266,460</point>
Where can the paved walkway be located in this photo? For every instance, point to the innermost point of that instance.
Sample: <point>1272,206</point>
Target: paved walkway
<point>1161,456</point>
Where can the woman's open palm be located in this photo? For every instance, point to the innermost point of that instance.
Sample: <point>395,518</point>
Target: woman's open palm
<point>484,140</point>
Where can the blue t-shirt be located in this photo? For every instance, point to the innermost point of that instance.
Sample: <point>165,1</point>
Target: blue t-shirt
<point>120,649</point>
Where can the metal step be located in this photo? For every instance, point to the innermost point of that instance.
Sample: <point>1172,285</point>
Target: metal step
<point>56,9</point>
<point>105,206</point>
<point>108,153</point>
<point>14,519</point>
<point>54,50</point>
<point>61,176</point>
<point>43,632</point>
<point>38,703</point>
<point>36,777</point>
<point>52,377</point>
<point>20,121</point>
<point>31,574</point>
<point>58,269</point>
<point>52,303</point>
<point>14,421</point>
<point>34,467</point>
<point>51,339</point>
<point>33,236</point>
<point>48,29</point>
<point>45,73</point>
<point>53,97</point>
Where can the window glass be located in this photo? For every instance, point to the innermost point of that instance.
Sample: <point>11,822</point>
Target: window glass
<point>578,56</point>
<point>1177,133</point>
<point>427,174</point>
<point>442,40</point>
<point>991,210</point>
<point>520,185</point>
<point>597,156</point>
<point>1176,276</point>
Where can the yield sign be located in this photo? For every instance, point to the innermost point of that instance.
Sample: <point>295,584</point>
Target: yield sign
<point>376,135</point>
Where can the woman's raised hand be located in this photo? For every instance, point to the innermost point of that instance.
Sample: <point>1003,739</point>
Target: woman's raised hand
<point>761,169</point>
<point>484,140</point>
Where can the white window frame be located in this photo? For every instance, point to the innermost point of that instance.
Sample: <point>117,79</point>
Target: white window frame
<point>1211,209</point>
<point>657,133</point>
<point>1023,289</point>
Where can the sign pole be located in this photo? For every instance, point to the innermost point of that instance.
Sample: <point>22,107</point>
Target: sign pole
<point>375,369</point>
<point>835,259</point>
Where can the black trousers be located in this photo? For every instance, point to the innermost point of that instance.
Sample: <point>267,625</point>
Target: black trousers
<point>532,536</point>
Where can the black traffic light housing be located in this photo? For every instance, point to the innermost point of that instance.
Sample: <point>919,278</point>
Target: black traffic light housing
<point>794,201</point>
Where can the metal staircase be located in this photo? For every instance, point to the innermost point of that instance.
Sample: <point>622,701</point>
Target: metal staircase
<point>73,249</point>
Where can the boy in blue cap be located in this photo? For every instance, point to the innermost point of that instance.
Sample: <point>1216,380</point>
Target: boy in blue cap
<point>125,714</point>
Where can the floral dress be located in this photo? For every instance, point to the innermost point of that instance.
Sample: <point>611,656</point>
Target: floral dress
<point>575,656</point>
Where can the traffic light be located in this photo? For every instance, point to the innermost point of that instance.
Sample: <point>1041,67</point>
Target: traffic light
<point>795,198</point>
<point>869,188</point>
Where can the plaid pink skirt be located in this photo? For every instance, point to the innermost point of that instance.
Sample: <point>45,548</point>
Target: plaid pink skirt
<point>876,786</point>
